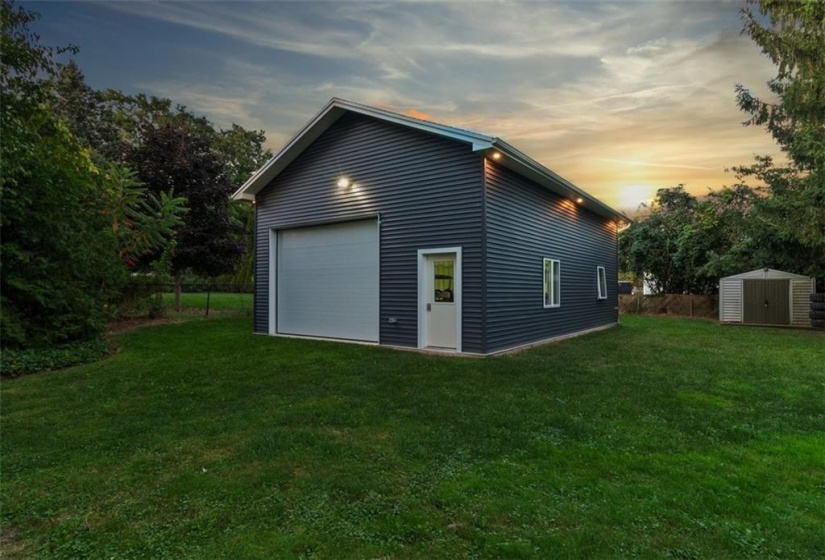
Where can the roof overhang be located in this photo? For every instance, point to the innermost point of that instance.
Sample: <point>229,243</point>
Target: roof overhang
<point>510,157</point>
<point>527,167</point>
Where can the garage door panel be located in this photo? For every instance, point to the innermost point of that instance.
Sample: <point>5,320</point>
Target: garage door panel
<point>328,281</point>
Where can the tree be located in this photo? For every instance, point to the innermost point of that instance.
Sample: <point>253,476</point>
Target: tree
<point>59,265</point>
<point>243,151</point>
<point>685,244</point>
<point>86,112</point>
<point>72,220</point>
<point>114,125</point>
<point>178,153</point>
<point>142,222</point>
<point>733,241</point>
<point>244,154</point>
<point>26,65</point>
<point>667,246</point>
<point>793,37</point>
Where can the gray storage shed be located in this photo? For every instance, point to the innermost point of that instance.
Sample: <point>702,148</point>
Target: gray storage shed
<point>378,227</point>
<point>766,297</point>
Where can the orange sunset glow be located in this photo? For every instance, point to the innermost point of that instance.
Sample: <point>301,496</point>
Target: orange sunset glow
<point>620,98</point>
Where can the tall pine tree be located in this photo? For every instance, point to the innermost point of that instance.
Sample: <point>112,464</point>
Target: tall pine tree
<point>792,35</point>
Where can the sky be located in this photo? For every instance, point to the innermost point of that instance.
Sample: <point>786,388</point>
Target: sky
<point>621,98</point>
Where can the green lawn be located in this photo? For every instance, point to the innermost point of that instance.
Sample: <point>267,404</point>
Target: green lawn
<point>661,438</point>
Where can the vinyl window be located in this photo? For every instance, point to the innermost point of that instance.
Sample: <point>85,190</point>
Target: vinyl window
<point>601,280</point>
<point>552,283</point>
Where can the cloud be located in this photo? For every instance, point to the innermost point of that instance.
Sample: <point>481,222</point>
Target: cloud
<point>415,113</point>
<point>631,93</point>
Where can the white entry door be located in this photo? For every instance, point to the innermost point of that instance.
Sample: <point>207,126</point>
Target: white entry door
<point>442,292</point>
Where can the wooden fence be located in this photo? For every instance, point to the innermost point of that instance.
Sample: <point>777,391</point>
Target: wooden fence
<point>688,305</point>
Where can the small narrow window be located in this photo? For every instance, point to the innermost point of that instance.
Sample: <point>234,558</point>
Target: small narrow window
<point>552,283</point>
<point>601,279</point>
<point>443,280</point>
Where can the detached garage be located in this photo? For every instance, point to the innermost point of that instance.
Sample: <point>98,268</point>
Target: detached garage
<point>381,228</point>
<point>766,297</point>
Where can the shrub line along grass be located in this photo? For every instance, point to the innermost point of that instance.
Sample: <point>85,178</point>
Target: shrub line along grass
<point>660,438</point>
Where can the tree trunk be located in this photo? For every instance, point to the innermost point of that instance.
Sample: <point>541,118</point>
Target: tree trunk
<point>177,292</point>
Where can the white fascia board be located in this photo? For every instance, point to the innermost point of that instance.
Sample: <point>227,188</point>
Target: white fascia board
<point>278,162</point>
<point>443,130</point>
<point>239,195</point>
<point>325,118</point>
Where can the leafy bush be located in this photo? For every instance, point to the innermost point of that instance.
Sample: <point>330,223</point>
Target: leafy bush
<point>141,296</point>
<point>60,263</point>
<point>14,363</point>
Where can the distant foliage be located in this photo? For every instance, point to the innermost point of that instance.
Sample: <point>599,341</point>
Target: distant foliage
<point>179,154</point>
<point>774,215</point>
<point>685,244</point>
<point>103,194</point>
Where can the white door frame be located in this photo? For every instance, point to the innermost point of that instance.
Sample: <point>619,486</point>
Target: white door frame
<point>273,280</point>
<point>422,294</point>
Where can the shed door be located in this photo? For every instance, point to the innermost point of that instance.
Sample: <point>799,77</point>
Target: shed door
<point>327,279</point>
<point>766,302</point>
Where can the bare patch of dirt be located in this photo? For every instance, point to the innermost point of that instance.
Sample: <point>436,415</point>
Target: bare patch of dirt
<point>10,547</point>
<point>132,324</point>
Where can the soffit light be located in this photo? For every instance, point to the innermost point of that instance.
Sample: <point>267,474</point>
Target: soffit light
<point>579,200</point>
<point>496,156</point>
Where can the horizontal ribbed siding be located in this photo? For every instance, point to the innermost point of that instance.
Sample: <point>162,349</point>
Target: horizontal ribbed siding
<point>526,223</point>
<point>427,191</point>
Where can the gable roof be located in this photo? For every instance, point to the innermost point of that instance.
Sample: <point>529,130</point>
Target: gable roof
<point>510,157</point>
<point>767,274</point>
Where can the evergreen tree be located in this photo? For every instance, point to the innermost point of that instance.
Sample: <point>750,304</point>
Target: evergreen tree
<point>792,35</point>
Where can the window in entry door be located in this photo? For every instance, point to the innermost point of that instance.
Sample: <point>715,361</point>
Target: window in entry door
<point>443,272</point>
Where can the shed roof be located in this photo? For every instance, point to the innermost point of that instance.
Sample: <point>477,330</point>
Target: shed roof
<point>511,157</point>
<point>767,274</point>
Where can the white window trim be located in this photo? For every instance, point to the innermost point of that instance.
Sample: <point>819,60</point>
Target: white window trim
<point>601,279</point>
<point>553,295</point>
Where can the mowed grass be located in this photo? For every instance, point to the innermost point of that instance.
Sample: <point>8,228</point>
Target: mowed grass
<point>661,438</point>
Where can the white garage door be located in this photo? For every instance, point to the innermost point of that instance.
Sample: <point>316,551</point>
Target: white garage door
<point>328,281</point>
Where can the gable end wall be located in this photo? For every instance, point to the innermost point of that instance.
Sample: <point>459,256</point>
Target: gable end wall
<point>428,192</point>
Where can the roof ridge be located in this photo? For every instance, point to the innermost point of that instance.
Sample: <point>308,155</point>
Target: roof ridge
<point>340,101</point>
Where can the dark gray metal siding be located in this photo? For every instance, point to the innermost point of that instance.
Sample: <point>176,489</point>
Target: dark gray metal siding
<point>526,223</point>
<point>427,190</point>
